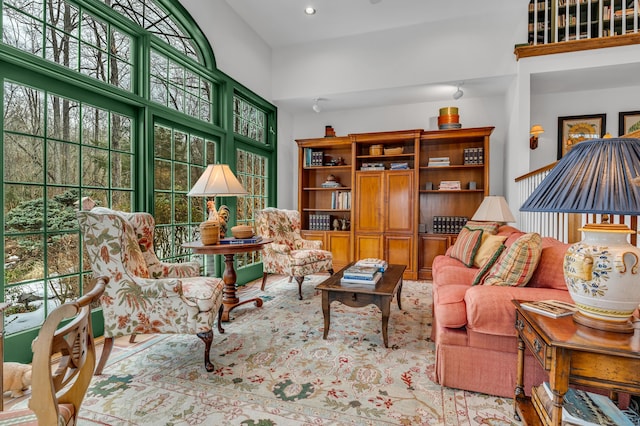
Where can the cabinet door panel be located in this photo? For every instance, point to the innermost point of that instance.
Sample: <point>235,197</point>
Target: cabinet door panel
<point>399,250</point>
<point>399,201</point>
<point>369,202</point>
<point>430,246</point>
<point>339,243</point>
<point>369,246</point>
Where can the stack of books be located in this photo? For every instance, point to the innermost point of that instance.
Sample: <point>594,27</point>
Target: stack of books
<point>449,185</point>
<point>233,240</point>
<point>359,276</point>
<point>438,161</point>
<point>579,407</point>
<point>381,264</point>
<point>399,166</point>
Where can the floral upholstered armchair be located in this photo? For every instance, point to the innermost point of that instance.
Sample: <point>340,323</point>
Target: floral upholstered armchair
<point>289,254</point>
<point>144,295</point>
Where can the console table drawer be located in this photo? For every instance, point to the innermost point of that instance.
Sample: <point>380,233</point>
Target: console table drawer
<point>534,341</point>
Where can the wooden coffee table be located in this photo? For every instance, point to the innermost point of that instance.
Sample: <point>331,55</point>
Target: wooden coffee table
<point>356,297</point>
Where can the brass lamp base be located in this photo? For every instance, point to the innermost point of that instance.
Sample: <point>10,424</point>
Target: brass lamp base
<point>613,326</point>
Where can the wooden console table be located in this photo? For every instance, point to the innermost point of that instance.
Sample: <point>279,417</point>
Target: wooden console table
<point>230,299</point>
<point>575,354</point>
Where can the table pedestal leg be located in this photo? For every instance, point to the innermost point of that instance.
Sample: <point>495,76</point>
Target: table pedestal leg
<point>229,297</point>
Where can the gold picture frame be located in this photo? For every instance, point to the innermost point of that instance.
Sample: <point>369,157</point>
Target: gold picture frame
<point>578,128</point>
<point>628,122</point>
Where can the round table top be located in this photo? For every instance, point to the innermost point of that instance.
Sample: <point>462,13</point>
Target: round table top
<point>200,248</point>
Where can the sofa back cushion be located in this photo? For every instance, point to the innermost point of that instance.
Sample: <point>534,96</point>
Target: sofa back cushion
<point>466,245</point>
<point>550,273</point>
<point>517,263</point>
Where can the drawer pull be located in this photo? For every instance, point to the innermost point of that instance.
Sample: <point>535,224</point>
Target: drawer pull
<point>519,324</point>
<point>537,346</point>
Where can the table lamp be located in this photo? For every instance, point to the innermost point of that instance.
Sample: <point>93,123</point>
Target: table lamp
<point>494,208</point>
<point>598,176</point>
<point>217,179</point>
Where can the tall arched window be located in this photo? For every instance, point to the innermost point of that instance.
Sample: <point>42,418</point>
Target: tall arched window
<point>118,101</point>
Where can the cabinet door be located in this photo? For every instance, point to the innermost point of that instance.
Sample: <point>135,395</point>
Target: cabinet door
<point>339,243</point>
<point>431,245</point>
<point>399,201</point>
<point>369,245</point>
<point>399,250</point>
<point>315,236</point>
<point>369,202</point>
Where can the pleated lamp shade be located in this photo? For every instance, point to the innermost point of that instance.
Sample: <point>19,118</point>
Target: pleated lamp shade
<point>494,208</point>
<point>596,176</point>
<point>217,179</point>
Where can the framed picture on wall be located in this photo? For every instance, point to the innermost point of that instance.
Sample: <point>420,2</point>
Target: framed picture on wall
<point>628,122</point>
<point>578,128</point>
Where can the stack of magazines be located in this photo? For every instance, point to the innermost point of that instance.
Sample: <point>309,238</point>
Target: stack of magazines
<point>359,276</point>
<point>381,264</point>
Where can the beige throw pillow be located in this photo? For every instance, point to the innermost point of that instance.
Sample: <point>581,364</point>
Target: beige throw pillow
<point>489,246</point>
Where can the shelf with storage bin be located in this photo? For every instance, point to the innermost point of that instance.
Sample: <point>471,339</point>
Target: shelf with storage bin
<point>455,147</point>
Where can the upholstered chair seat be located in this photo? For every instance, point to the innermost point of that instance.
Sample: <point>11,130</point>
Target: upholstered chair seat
<point>289,254</point>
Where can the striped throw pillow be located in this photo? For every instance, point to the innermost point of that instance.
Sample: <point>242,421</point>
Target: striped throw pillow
<point>517,263</point>
<point>466,245</point>
<point>487,227</point>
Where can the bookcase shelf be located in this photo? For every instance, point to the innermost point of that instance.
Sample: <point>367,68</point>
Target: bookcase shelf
<point>376,228</point>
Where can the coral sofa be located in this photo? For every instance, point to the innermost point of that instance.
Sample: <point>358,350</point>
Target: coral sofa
<point>473,325</point>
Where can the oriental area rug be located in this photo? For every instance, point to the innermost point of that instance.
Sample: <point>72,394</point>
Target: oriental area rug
<point>274,368</point>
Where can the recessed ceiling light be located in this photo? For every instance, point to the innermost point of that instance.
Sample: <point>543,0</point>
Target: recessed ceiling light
<point>310,11</point>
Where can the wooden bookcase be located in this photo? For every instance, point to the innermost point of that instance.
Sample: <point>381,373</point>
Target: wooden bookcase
<point>390,204</point>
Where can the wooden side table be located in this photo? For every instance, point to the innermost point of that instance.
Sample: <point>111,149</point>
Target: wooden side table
<point>575,354</point>
<point>230,299</point>
<point>3,306</point>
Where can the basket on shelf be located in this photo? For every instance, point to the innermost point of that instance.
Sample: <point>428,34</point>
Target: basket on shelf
<point>375,150</point>
<point>209,232</point>
<point>394,150</point>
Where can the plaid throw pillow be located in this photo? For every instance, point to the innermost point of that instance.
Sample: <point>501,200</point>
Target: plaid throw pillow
<point>517,263</point>
<point>466,245</point>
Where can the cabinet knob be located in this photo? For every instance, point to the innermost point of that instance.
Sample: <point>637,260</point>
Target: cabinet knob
<point>519,324</point>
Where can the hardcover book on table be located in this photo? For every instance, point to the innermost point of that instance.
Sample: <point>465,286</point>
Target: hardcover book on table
<point>362,272</point>
<point>359,282</point>
<point>233,240</point>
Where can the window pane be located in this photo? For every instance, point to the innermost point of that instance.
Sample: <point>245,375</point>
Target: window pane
<point>62,163</point>
<point>23,158</point>
<point>63,121</point>
<point>95,127</point>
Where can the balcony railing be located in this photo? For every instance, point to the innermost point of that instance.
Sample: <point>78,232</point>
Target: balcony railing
<point>557,26</point>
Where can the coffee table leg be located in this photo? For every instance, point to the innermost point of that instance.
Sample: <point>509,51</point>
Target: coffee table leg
<point>399,294</point>
<point>326,312</point>
<point>385,307</point>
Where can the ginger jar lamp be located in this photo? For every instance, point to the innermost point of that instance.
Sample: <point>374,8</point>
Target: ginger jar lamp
<point>598,176</point>
<point>217,179</point>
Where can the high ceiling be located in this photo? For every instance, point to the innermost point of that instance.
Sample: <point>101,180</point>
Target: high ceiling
<point>283,22</point>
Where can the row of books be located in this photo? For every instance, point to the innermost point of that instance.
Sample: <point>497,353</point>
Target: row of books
<point>473,155</point>
<point>448,224</point>
<point>364,273</point>
<point>313,158</point>
<point>320,222</point>
<point>341,200</point>
<point>449,185</point>
<point>579,408</point>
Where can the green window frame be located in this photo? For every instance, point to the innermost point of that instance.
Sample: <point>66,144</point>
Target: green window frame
<point>105,77</point>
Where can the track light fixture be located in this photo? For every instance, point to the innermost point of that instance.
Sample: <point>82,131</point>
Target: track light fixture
<point>458,93</point>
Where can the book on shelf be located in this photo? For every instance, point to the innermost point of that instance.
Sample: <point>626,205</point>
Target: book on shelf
<point>381,264</point>
<point>449,185</point>
<point>361,272</point>
<point>580,408</point>
<point>549,308</point>
<point>233,240</point>
<point>357,282</point>
<point>399,166</point>
<point>438,162</point>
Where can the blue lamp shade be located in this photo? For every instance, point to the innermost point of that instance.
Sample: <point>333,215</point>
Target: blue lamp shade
<point>597,176</point>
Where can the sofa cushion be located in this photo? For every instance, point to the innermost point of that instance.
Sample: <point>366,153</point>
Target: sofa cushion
<point>489,246</point>
<point>450,308</point>
<point>517,263</point>
<point>549,273</point>
<point>466,245</point>
<point>488,227</point>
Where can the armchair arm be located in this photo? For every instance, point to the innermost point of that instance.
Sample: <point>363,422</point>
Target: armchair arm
<point>309,244</point>
<point>278,248</point>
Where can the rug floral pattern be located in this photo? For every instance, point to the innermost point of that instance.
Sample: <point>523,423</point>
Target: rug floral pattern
<point>274,368</point>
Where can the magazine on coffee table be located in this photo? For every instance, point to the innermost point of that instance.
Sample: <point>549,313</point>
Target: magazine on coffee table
<point>549,308</point>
